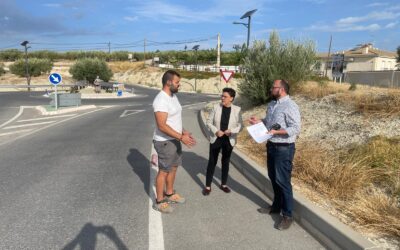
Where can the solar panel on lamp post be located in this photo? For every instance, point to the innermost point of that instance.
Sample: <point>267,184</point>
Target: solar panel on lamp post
<point>248,15</point>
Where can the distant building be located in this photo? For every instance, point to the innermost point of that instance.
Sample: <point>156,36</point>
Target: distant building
<point>362,58</point>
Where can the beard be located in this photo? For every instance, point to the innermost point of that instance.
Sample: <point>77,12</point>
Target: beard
<point>173,89</point>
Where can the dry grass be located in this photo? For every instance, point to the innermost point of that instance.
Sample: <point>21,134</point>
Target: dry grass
<point>374,101</point>
<point>118,67</point>
<point>364,181</point>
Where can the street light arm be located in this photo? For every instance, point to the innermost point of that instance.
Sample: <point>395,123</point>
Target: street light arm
<point>245,24</point>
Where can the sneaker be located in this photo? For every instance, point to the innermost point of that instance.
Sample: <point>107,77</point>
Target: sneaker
<point>175,198</point>
<point>285,223</point>
<point>163,206</point>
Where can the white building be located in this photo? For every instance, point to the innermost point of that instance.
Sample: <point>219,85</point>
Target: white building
<point>362,58</point>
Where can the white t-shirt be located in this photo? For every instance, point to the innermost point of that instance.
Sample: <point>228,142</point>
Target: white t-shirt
<point>168,104</point>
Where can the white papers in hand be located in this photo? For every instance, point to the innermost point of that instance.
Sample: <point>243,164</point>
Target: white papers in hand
<point>259,132</point>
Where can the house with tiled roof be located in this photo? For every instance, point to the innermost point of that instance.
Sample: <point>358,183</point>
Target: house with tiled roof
<point>362,58</point>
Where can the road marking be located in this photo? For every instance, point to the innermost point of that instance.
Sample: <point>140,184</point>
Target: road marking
<point>46,118</point>
<point>130,112</point>
<point>15,132</point>
<point>21,109</point>
<point>50,125</point>
<point>28,125</point>
<point>194,104</point>
<point>156,232</point>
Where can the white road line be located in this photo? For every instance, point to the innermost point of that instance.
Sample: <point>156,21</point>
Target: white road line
<point>194,104</point>
<point>46,118</point>
<point>21,109</point>
<point>156,232</point>
<point>15,132</point>
<point>28,125</point>
<point>50,125</point>
<point>130,112</point>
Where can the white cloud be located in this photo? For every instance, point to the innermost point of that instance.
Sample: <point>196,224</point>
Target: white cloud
<point>315,1</point>
<point>174,13</point>
<point>6,18</point>
<point>335,28</point>
<point>376,15</point>
<point>131,18</point>
<point>52,5</point>
<point>377,4</point>
<point>391,25</point>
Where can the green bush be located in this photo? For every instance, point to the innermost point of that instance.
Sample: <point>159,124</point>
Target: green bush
<point>36,67</point>
<point>288,60</point>
<point>2,70</point>
<point>10,55</point>
<point>88,69</point>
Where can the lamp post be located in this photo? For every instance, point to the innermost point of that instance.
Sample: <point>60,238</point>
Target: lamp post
<point>195,48</point>
<point>28,78</point>
<point>248,15</point>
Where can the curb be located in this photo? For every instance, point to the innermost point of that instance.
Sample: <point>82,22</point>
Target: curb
<point>327,229</point>
<point>64,110</point>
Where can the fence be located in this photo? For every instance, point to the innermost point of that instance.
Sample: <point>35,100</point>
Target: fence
<point>387,79</point>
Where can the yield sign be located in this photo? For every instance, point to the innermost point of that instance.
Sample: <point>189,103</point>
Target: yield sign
<point>226,74</point>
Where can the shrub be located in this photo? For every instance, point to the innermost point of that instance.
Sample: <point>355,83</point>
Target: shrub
<point>10,55</point>
<point>2,70</point>
<point>36,67</point>
<point>281,60</point>
<point>88,69</point>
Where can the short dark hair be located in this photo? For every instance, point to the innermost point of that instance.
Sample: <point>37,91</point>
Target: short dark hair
<point>285,85</point>
<point>169,75</point>
<point>230,91</point>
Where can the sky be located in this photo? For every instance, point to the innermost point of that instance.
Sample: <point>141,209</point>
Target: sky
<point>124,24</point>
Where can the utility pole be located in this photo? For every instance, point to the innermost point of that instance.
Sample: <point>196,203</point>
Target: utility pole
<point>109,47</point>
<point>219,52</point>
<point>28,77</point>
<point>329,55</point>
<point>144,52</point>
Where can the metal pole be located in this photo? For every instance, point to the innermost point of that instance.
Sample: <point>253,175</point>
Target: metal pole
<point>28,80</point>
<point>248,32</point>
<point>55,97</point>
<point>327,60</point>
<point>195,78</point>
<point>144,52</point>
<point>218,52</point>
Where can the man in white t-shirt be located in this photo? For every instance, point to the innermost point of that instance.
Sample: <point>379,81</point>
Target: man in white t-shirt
<point>167,139</point>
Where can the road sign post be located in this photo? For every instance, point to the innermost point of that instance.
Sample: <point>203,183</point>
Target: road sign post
<point>55,79</point>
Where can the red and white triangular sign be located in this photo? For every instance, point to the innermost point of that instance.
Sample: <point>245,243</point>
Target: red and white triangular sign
<point>227,75</point>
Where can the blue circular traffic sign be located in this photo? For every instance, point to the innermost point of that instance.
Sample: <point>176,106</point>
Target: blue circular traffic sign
<point>55,78</point>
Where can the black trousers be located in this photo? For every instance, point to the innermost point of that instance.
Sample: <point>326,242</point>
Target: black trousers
<point>224,144</point>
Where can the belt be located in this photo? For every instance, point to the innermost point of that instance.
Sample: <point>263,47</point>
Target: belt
<point>279,144</point>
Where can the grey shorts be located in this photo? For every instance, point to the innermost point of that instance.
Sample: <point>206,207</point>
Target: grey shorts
<point>169,154</point>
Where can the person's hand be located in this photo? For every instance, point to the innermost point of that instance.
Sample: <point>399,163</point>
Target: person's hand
<point>272,132</point>
<point>228,132</point>
<point>219,133</point>
<point>188,140</point>
<point>254,120</point>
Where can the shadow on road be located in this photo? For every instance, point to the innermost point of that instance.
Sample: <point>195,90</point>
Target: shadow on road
<point>141,166</point>
<point>196,165</point>
<point>86,239</point>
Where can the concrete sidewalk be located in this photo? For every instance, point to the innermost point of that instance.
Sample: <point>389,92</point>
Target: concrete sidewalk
<point>220,220</point>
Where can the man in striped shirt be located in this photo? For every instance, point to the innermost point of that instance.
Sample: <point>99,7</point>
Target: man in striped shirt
<point>283,121</point>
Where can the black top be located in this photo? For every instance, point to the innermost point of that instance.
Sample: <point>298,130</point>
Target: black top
<point>226,112</point>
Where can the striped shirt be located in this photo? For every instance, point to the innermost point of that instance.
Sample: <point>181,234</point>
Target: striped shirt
<point>286,113</point>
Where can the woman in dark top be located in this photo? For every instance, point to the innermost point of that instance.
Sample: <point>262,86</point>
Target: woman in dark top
<point>224,122</point>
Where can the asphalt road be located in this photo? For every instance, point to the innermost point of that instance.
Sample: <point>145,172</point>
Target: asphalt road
<point>84,182</point>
